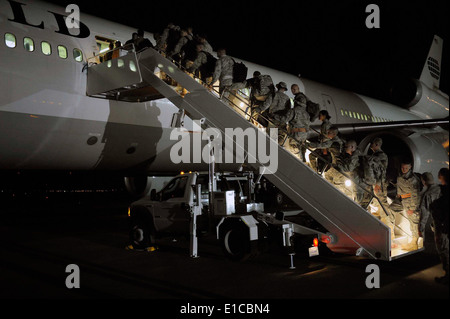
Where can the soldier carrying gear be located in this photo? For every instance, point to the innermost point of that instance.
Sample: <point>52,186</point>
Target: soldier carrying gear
<point>319,154</point>
<point>263,95</point>
<point>408,189</point>
<point>176,53</point>
<point>439,209</point>
<point>200,60</point>
<point>333,144</point>
<point>347,162</point>
<point>299,124</point>
<point>280,105</point>
<point>223,71</point>
<point>375,165</point>
<point>430,193</point>
<point>326,124</point>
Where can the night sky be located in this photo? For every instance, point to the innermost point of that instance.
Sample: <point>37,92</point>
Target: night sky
<point>326,41</point>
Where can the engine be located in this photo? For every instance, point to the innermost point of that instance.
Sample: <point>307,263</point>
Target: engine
<point>420,99</point>
<point>138,186</point>
<point>425,147</point>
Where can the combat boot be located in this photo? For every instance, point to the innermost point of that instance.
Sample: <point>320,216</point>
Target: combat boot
<point>412,245</point>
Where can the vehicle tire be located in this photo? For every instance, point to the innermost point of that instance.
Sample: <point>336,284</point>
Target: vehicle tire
<point>236,241</point>
<point>142,232</point>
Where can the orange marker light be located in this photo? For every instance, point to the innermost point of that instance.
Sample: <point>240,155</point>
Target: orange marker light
<point>315,242</point>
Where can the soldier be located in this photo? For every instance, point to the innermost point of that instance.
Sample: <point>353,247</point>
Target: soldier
<point>263,94</point>
<point>281,103</point>
<point>161,42</point>
<point>299,124</point>
<point>408,189</point>
<point>333,144</point>
<point>439,209</point>
<point>223,71</point>
<point>206,46</point>
<point>322,153</point>
<point>326,124</point>
<point>141,42</point>
<point>184,39</point>
<point>430,193</point>
<point>347,162</point>
<point>199,60</point>
<point>375,168</point>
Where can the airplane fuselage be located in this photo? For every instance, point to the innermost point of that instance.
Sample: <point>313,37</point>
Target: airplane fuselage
<point>48,122</point>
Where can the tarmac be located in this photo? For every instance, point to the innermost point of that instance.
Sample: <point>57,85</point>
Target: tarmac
<point>40,241</point>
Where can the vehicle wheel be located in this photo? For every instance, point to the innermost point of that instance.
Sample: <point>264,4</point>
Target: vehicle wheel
<point>236,242</point>
<point>142,233</point>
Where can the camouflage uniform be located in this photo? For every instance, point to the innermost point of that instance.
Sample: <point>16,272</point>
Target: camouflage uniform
<point>375,168</point>
<point>281,103</point>
<point>408,187</point>
<point>162,41</point>
<point>323,153</point>
<point>198,62</point>
<point>334,146</point>
<point>262,95</point>
<point>223,72</point>
<point>299,124</point>
<point>326,124</point>
<point>439,209</point>
<point>207,47</point>
<point>432,193</point>
<point>181,43</point>
<point>348,164</point>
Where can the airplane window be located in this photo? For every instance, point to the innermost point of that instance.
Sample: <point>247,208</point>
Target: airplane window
<point>46,48</point>
<point>10,40</point>
<point>358,116</point>
<point>342,112</point>
<point>62,52</point>
<point>28,44</point>
<point>78,55</point>
<point>175,189</point>
<point>346,113</point>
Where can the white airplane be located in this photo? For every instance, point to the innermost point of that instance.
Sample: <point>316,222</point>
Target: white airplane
<point>47,122</point>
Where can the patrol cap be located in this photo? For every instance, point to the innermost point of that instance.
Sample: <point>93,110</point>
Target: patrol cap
<point>428,178</point>
<point>282,85</point>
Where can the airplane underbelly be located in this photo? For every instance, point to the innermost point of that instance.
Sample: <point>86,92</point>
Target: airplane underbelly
<point>45,142</point>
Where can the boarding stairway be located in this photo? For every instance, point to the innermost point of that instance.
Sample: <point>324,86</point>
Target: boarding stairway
<point>137,78</point>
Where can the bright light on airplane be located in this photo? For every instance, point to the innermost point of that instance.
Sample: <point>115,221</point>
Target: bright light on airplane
<point>348,183</point>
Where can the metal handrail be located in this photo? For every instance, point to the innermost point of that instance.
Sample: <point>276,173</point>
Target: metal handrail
<point>130,47</point>
<point>288,135</point>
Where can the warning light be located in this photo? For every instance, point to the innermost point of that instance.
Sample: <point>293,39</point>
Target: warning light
<point>181,173</point>
<point>315,242</point>
<point>325,239</point>
<point>348,183</point>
